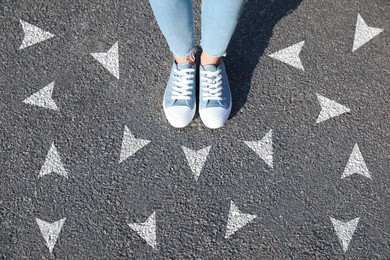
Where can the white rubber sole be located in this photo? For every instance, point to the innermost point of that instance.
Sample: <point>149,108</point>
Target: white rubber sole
<point>179,122</point>
<point>212,123</point>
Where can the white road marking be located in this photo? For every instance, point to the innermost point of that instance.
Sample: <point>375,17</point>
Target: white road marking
<point>344,231</point>
<point>33,34</point>
<point>356,164</point>
<point>363,33</point>
<point>263,148</point>
<point>109,59</point>
<point>329,109</point>
<point>236,220</point>
<point>53,164</point>
<point>290,55</point>
<point>147,230</point>
<point>196,159</point>
<point>50,231</point>
<point>130,145</point>
<point>43,98</point>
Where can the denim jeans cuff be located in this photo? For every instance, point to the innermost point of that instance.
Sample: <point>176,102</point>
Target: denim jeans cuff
<point>216,55</point>
<point>211,53</point>
<point>190,58</point>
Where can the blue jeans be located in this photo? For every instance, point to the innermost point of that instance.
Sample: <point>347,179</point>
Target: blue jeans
<point>219,20</point>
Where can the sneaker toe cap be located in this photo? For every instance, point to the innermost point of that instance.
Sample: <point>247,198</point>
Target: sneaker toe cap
<point>214,117</point>
<point>179,116</point>
<point>179,112</point>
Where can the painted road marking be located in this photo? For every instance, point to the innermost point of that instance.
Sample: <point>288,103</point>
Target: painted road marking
<point>344,231</point>
<point>33,34</point>
<point>363,33</point>
<point>147,230</point>
<point>50,231</point>
<point>130,145</point>
<point>43,98</point>
<point>263,148</point>
<point>356,164</point>
<point>196,159</point>
<point>53,164</point>
<point>236,220</point>
<point>290,55</point>
<point>329,109</point>
<point>109,59</point>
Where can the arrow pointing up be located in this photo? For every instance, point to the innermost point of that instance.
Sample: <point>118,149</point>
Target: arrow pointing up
<point>53,164</point>
<point>356,164</point>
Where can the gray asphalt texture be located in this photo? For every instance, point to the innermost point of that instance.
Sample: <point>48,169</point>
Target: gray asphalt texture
<point>293,202</point>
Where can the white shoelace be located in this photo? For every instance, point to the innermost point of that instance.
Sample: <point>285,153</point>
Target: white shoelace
<point>211,84</point>
<point>183,84</point>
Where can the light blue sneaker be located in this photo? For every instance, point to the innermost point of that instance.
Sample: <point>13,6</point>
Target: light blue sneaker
<point>179,97</point>
<point>215,100</point>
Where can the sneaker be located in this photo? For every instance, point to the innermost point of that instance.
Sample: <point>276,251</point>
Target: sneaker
<point>215,100</point>
<point>179,97</point>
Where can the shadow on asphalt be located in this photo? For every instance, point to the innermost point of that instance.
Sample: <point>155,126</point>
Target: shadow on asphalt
<point>249,41</point>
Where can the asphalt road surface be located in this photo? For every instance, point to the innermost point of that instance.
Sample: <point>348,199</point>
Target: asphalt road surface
<point>91,169</point>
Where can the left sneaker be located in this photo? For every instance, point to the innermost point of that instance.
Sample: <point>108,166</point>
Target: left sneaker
<point>179,101</point>
<point>215,100</point>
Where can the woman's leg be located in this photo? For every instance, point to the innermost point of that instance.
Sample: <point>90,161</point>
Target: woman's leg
<point>175,19</point>
<point>219,20</point>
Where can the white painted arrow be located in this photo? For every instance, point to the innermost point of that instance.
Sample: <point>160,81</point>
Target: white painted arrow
<point>356,164</point>
<point>363,33</point>
<point>196,159</point>
<point>33,35</point>
<point>236,220</point>
<point>50,231</point>
<point>344,231</point>
<point>263,148</point>
<point>53,164</point>
<point>329,108</point>
<point>43,98</point>
<point>147,230</point>
<point>109,59</point>
<point>290,55</point>
<point>130,145</point>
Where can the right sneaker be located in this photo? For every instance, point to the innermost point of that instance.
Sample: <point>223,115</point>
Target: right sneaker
<point>179,98</point>
<point>215,99</point>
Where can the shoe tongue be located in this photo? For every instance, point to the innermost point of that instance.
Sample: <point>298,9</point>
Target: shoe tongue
<point>181,66</point>
<point>210,67</point>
